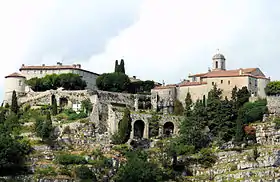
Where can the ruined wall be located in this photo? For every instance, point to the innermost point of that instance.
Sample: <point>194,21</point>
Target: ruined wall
<point>114,97</point>
<point>116,116</point>
<point>44,98</point>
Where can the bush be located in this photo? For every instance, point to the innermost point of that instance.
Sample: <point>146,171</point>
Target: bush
<point>207,157</point>
<point>76,116</point>
<point>123,149</point>
<point>84,173</point>
<point>277,123</point>
<point>48,171</point>
<point>68,81</point>
<point>273,88</point>
<point>66,159</point>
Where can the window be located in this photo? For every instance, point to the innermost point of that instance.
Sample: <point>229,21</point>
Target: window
<point>213,83</point>
<point>216,64</point>
<point>222,81</point>
<point>41,71</point>
<point>256,83</point>
<point>229,82</point>
<point>169,92</point>
<point>20,83</point>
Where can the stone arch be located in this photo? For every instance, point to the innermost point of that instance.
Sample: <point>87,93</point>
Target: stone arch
<point>138,129</point>
<point>168,129</point>
<point>63,102</point>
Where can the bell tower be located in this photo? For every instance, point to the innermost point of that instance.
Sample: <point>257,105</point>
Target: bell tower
<point>219,62</point>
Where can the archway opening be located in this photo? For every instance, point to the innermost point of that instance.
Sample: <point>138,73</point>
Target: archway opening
<point>168,129</point>
<point>139,126</point>
<point>63,102</point>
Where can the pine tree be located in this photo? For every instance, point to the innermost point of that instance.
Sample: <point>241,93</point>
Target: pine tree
<point>188,102</point>
<point>192,128</point>
<point>122,68</point>
<point>54,105</point>
<point>243,96</point>
<point>116,66</point>
<point>14,106</point>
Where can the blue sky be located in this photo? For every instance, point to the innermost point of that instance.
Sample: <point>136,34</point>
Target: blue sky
<point>159,39</point>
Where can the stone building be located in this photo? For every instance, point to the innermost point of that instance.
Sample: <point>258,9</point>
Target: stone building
<point>198,85</point>
<point>43,70</point>
<point>16,81</point>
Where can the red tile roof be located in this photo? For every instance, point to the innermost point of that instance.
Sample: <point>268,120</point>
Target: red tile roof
<point>166,86</point>
<point>191,83</point>
<point>230,73</point>
<point>56,67</point>
<point>15,75</point>
<point>180,85</point>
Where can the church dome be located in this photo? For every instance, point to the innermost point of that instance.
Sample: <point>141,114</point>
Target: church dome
<point>218,56</point>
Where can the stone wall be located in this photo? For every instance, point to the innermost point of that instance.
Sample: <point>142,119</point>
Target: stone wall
<point>118,98</point>
<point>273,104</point>
<point>117,116</point>
<point>44,98</point>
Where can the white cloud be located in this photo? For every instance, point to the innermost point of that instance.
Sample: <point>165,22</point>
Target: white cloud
<point>173,38</point>
<point>159,39</point>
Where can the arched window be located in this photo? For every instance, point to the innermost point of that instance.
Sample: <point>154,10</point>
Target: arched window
<point>216,64</point>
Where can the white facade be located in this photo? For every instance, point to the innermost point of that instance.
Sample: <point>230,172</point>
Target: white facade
<point>14,82</point>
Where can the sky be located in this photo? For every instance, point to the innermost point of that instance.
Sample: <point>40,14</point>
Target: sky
<point>158,39</point>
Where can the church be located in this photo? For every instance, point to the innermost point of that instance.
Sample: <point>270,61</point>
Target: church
<point>198,85</point>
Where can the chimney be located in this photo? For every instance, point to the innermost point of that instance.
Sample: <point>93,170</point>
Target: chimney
<point>59,63</point>
<point>78,65</point>
<point>43,64</point>
<point>240,71</point>
<point>22,65</point>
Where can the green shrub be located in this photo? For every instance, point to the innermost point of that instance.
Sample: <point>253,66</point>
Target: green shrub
<point>64,170</point>
<point>66,159</point>
<point>69,111</point>
<point>75,116</point>
<point>207,157</point>
<point>66,130</point>
<point>48,171</point>
<point>84,173</point>
<point>277,123</point>
<point>233,167</point>
<point>123,148</point>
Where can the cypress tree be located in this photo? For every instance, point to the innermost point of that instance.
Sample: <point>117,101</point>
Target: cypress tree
<point>54,105</point>
<point>125,127</point>
<point>122,69</point>
<point>14,106</point>
<point>188,102</point>
<point>239,133</point>
<point>47,127</point>
<point>116,66</point>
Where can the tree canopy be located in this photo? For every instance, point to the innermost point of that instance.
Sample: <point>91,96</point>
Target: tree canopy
<point>69,81</point>
<point>273,88</point>
<point>113,82</point>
